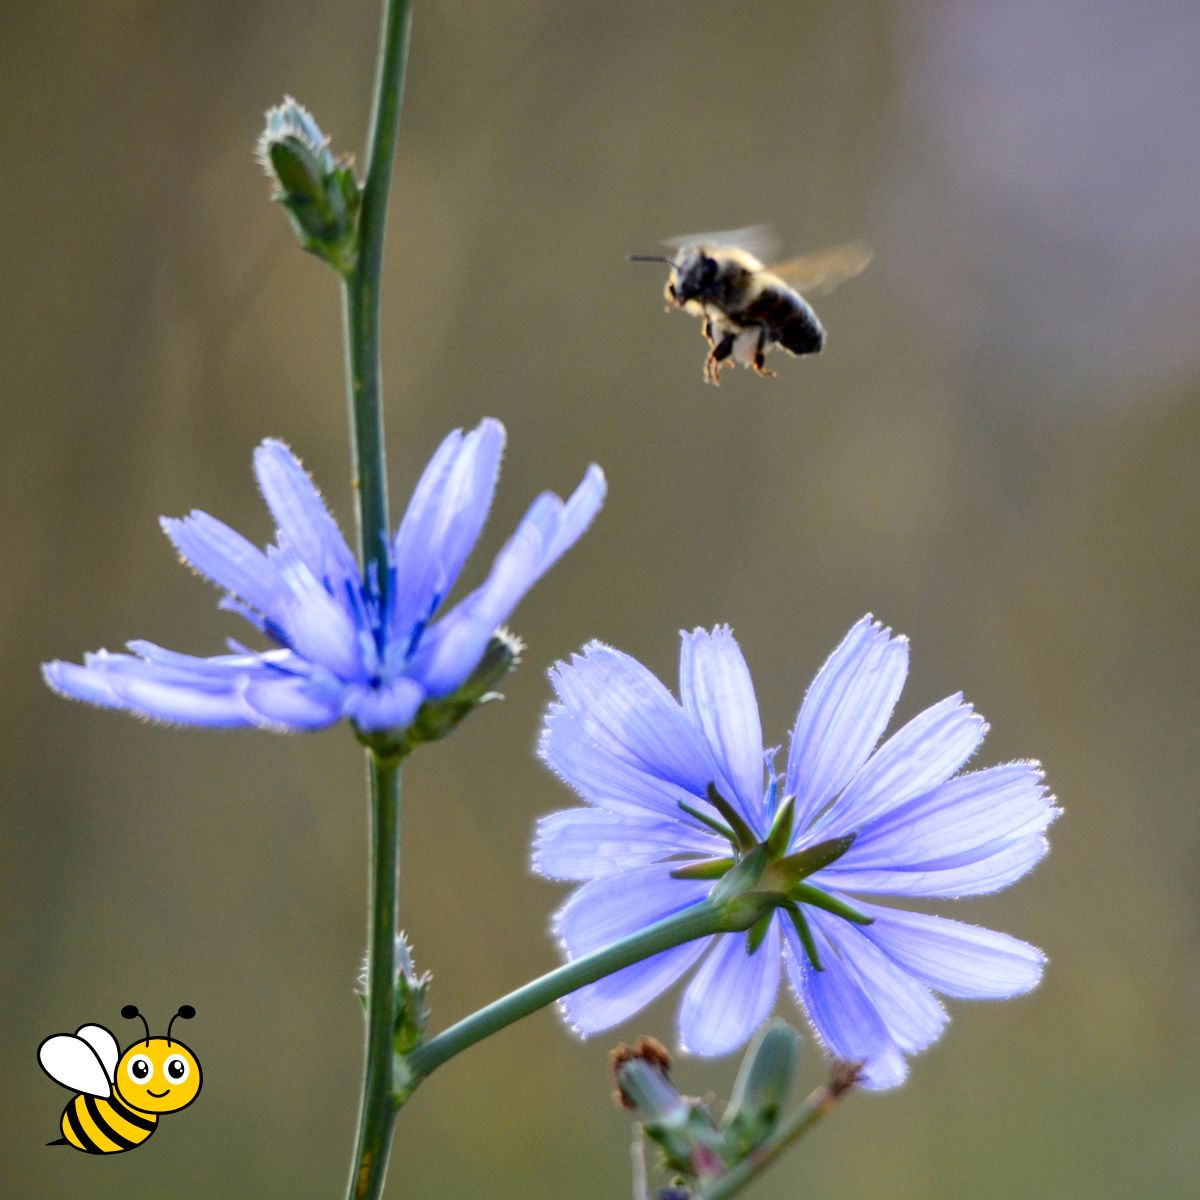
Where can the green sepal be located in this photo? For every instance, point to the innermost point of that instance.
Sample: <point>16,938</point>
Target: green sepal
<point>744,834</point>
<point>782,828</point>
<point>718,827</point>
<point>807,894</point>
<point>795,867</point>
<point>742,878</point>
<point>709,868</point>
<point>757,932</point>
<point>805,934</point>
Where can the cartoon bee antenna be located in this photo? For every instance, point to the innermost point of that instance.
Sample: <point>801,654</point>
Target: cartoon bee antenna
<point>131,1012</point>
<point>119,1096</point>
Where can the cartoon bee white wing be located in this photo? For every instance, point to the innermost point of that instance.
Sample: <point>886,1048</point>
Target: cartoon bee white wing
<point>73,1061</point>
<point>105,1045</point>
<point>823,270</point>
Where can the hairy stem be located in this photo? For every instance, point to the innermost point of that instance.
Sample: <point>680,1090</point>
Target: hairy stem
<point>377,1112</point>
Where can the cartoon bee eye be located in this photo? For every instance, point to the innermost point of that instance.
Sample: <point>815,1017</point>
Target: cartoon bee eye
<point>177,1068</point>
<point>140,1068</point>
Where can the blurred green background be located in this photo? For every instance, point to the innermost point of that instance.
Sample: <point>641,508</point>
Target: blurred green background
<point>996,455</point>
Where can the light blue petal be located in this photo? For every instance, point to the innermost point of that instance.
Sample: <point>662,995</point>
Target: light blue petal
<point>616,997</point>
<point>182,704</point>
<point>915,759</point>
<point>580,510</point>
<point>81,683</point>
<point>844,714</point>
<point>442,523</point>
<point>583,843</point>
<point>991,874</point>
<point>978,832</point>
<point>450,651</point>
<point>628,713</point>
<point>226,558</point>
<point>615,906</point>
<point>319,627</point>
<point>390,706</point>
<point>731,995</point>
<point>845,1021</point>
<point>911,1013</point>
<point>300,513</point>
<point>716,691</point>
<point>960,960</point>
<point>604,777</point>
<point>289,703</point>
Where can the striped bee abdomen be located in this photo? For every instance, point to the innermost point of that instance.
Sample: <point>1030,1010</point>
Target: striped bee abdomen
<point>98,1126</point>
<point>788,318</point>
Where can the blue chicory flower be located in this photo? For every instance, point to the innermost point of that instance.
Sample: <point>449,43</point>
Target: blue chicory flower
<point>637,756</point>
<point>339,649</point>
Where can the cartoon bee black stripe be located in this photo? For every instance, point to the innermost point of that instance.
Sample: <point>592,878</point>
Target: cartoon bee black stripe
<point>120,1097</point>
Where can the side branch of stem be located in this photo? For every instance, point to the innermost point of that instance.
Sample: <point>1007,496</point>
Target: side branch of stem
<point>699,920</point>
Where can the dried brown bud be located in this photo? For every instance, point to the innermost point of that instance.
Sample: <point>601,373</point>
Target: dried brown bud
<point>647,1049</point>
<point>843,1077</point>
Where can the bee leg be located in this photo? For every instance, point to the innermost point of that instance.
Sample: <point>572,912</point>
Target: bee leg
<point>717,359</point>
<point>760,355</point>
<point>708,331</point>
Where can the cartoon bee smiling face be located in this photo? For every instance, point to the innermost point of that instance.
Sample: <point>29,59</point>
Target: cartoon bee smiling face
<point>120,1097</point>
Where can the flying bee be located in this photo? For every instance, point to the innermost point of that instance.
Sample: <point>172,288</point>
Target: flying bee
<point>749,308</point>
<point>119,1096</point>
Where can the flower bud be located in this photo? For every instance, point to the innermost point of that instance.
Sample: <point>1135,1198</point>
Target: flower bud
<point>319,192</point>
<point>682,1126</point>
<point>763,1082</point>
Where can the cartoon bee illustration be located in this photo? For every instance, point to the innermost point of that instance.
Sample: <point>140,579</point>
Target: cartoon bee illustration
<point>119,1096</point>
<point>749,308</point>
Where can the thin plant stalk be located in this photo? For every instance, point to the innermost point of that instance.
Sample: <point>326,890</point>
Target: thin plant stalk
<point>377,1113</point>
<point>361,293</point>
<point>699,920</point>
<point>361,290</point>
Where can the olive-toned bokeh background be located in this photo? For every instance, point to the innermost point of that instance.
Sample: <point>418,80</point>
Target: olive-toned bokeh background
<point>996,455</point>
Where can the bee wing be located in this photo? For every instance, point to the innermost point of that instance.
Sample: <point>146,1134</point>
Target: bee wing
<point>105,1045</point>
<point>823,270</point>
<point>758,240</point>
<point>71,1061</point>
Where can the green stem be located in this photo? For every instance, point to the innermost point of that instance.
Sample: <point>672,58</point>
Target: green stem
<point>361,294</point>
<point>377,1113</point>
<point>700,920</point>
<point>818,1105</point>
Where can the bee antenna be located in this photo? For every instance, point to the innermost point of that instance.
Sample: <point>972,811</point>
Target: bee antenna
<point>662,258</point>
<point>130,1011</point>
<point>186,1011</point>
